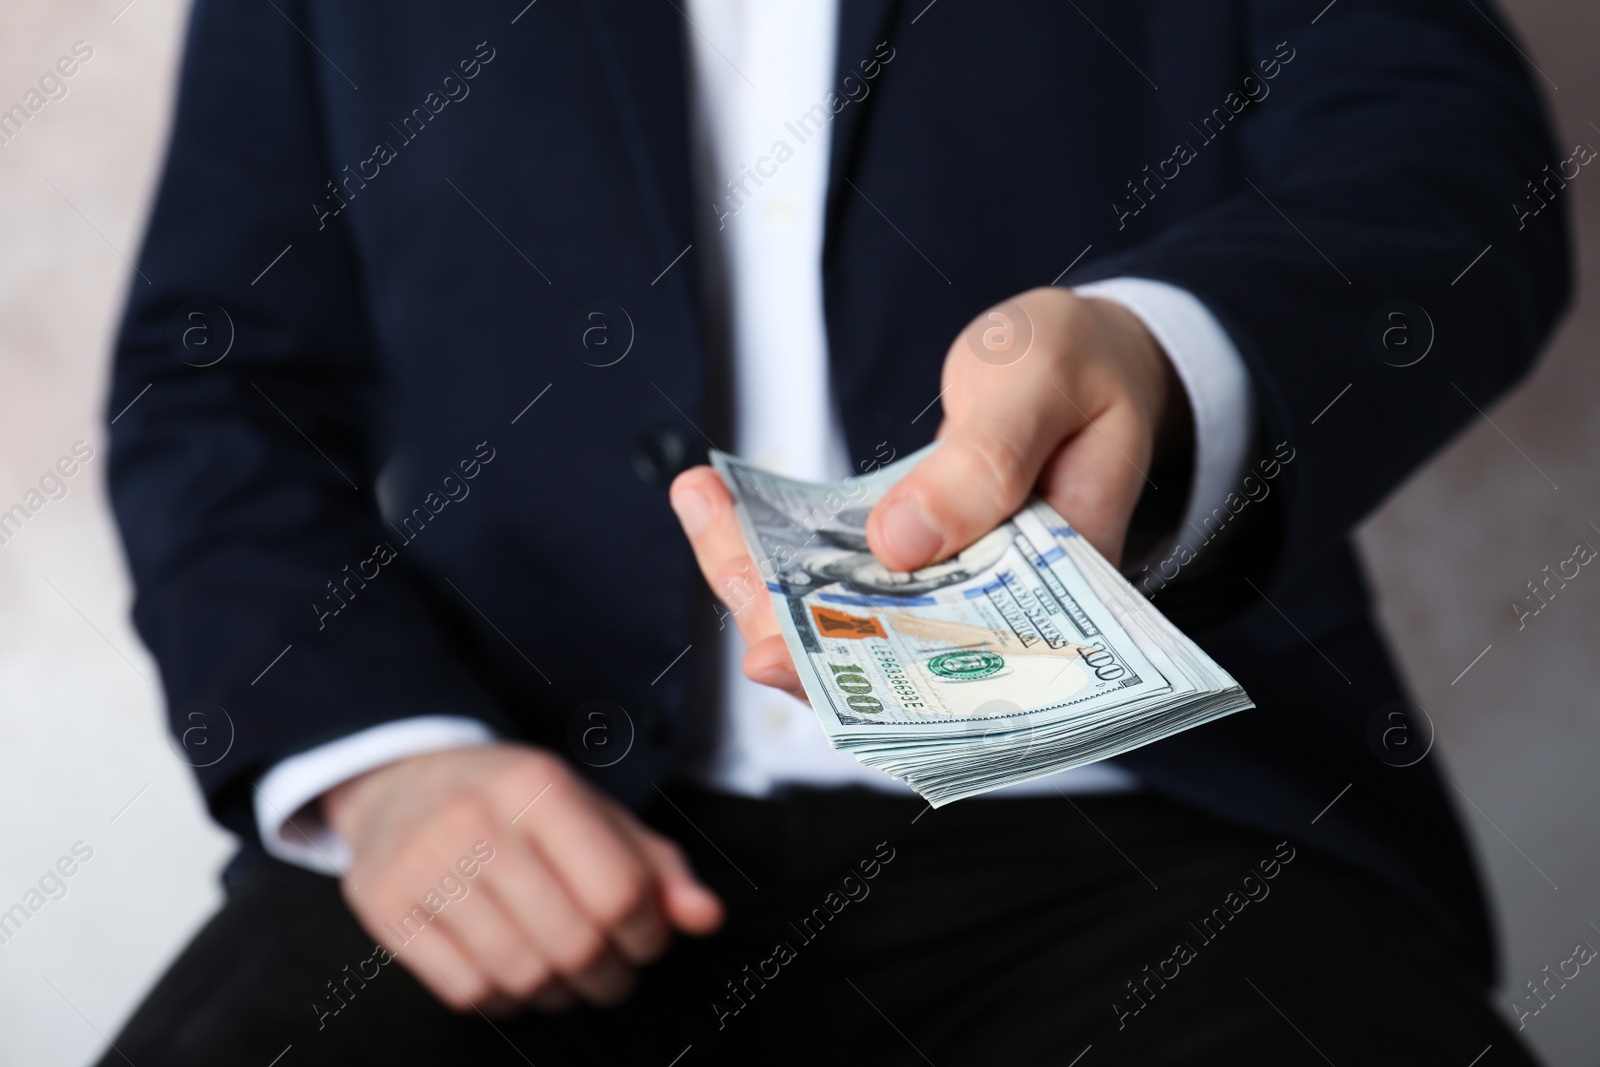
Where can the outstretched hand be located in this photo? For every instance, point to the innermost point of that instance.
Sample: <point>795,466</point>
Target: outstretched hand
<point>1048,393</point>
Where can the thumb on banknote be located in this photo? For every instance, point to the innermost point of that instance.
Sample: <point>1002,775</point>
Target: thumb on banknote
<point>1047,392</point>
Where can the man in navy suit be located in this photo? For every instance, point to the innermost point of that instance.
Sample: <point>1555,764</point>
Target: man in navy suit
<point>444,307</point>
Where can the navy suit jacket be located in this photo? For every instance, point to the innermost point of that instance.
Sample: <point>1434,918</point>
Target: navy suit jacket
<point>384,228</point>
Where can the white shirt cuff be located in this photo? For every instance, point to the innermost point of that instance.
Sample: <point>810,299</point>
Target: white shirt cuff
<point>1214,376</point>
<point>291,828</point>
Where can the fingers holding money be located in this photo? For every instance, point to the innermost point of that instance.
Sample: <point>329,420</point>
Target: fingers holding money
<point>1095,479</point>
<point>769,663</point>
<point>705,509</point>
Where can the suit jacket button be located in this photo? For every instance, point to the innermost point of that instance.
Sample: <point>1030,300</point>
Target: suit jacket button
<point>660,454</point>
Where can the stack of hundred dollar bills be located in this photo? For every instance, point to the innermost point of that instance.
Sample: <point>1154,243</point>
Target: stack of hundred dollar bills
<point>1026,654</point>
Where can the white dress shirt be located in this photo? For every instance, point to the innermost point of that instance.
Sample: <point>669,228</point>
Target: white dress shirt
<point>756,67</point>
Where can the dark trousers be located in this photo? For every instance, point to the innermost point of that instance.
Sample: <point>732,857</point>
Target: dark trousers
<point>869,929</point>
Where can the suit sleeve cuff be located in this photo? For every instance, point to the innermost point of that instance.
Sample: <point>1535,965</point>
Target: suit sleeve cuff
<point>291,828</point>
<point>1213,375</point>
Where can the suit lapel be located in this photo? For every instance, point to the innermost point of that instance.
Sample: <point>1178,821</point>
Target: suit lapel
<point>641,46</point>
<point>641,49</point>
<point>862,25</point>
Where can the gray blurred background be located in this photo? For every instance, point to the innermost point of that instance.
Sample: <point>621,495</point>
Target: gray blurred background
<point>83,753</point>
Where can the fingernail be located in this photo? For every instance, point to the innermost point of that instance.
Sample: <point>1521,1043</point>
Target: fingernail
<point>693,510</point>
<point>909,532</point>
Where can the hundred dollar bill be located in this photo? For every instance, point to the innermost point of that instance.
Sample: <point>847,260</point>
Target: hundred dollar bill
<point>1025,654</point>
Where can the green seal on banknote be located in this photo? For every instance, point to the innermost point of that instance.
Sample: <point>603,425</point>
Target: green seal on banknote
<point>965,666</point>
